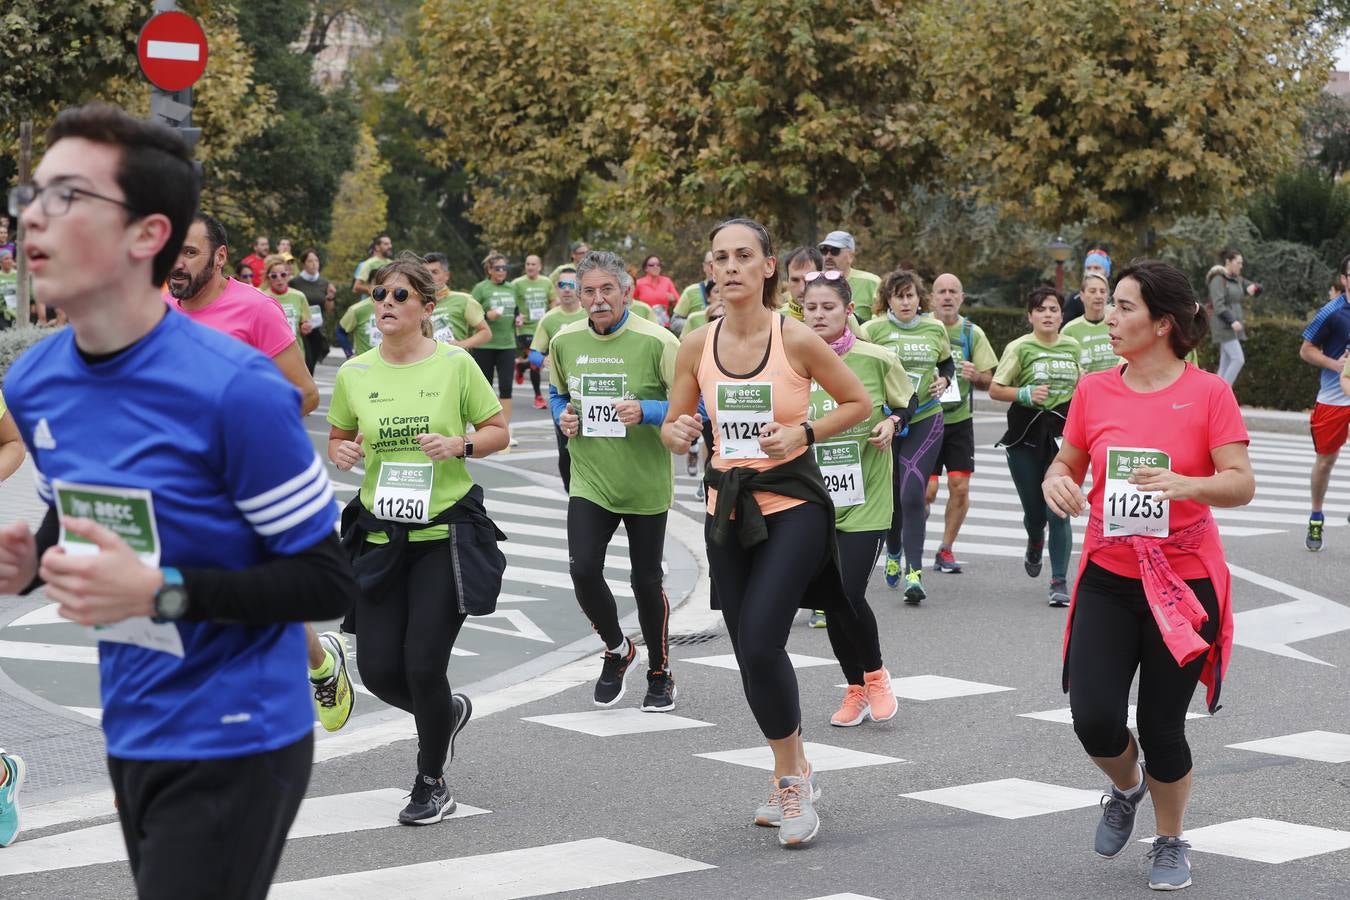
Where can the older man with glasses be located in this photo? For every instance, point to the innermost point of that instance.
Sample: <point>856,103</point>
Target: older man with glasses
<point>839,250</point>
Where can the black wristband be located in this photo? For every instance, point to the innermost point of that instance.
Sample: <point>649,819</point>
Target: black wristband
<point>810,434</point>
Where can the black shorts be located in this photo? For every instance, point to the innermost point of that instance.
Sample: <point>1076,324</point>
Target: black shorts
<point>523,342</point>
<point>957,453</point>
<point>501,362</point>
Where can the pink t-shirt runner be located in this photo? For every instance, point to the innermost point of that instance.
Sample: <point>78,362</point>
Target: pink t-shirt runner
<point>1186,420</point>
<point>246,314</point>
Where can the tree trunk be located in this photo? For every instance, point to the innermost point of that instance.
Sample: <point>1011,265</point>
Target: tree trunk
<point>561,235</point>
<point>25,160</point>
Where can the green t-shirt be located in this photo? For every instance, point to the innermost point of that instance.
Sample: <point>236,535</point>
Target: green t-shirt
<point>1026,361</point>
<point>359,322</point>
<point>920,347</point>
<point>456,317</point>
<point>554,321</point>
<point>981,354</point>
<point>631,472</point>
<point>847,460</point>
<point>691,300</point>
<point>9,296</point>
<point>532,297</point>
<point>391,405</point>
<point>296,307</point>
<point>369,267</point>
<point>865,286</point>
<point>697,319</point>
<point>502,297</point>
<point>3,408</point>
<point>639,308</point>
<point>1095,340</point>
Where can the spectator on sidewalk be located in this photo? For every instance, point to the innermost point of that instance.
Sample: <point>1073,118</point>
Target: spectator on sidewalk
<point>1227,287</point>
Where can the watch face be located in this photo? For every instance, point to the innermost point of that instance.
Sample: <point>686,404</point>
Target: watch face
<point>171,602</point>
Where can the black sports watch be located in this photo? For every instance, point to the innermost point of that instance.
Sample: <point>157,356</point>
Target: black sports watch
<point>171,600</point>
<point>810,434</point>
<point>468,449</point>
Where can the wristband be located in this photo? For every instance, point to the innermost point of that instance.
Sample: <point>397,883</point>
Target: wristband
<point>1024,395</point>
<point>810,434</point>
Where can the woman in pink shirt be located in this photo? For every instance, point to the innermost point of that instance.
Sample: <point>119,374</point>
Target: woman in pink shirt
<point>1166,442</point>
<point>656,290</point>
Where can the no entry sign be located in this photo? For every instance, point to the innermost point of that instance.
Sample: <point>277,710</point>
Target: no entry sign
<point>172,51</point>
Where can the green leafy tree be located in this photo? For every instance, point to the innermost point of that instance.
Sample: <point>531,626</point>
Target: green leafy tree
<point>1308,207</point>
<point>1120,113</point>
<point>359,212</point>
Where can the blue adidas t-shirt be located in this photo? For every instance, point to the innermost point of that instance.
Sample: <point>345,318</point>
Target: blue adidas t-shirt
<point>211,428</point>
<point>1330,332</point>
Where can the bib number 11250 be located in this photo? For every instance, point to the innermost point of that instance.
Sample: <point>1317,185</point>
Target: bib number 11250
<point>403,492</point>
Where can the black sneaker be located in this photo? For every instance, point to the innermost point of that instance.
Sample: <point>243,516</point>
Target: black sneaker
<point>1032,561</point>
<point>1314,539</point>
<point>661,692</point>
<point>461,711</point>
<point>430,802</point>
<point>609,687</point>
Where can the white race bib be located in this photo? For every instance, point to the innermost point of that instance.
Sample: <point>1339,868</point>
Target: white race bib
<point>1125,508</point>
<point>316,316</point>
<point>11,299</point>
<point>130,512</point>
<point>403,492</point>
<point>599,414</point>
<point>292,317</point>
<point>841,467</point>
<point>373,333</point>
<point>537,311</point>
<point>743,409</point>
<point>953,392</point>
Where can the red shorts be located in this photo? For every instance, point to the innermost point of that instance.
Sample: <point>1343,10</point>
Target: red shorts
<point>1329,425</point>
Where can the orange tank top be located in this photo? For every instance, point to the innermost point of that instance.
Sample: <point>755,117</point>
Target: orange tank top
<point>738,405</point>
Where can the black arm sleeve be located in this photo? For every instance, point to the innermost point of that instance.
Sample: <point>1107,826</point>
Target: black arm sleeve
<point>947,368</point>
<point>312,586</point>
<point>48,535</point>
<point>904,415</point>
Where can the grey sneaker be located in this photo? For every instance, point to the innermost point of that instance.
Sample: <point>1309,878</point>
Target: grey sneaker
<point>1117,822</point>
<point>1171,864</point>
<point>799,823</point>
<point>817,619</point>
<point>770,815</point>
<point>1059,592</point>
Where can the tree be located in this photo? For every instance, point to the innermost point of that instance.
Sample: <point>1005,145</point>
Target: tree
<point>1120,113</point>
<point>359,212</point>
<point>1307,207</point>
<point>1326,134</point>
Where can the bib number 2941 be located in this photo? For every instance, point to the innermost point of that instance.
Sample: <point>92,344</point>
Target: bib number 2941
<point>743,409</point>
<point>841,468</point>
<point>1127,510</point>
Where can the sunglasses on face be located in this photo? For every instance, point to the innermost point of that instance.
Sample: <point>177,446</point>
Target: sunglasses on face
<point>827,250</point>
<point>398,294</point>
<point>831,275</point>
<point>276,274</point>
<point>568,284</point>
<point>655,264</point>
<point>499,268</point>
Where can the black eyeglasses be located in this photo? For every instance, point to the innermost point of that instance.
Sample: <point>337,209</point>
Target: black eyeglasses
<point>827,250</point>
<point>54,198</point>
<point>399,294</point>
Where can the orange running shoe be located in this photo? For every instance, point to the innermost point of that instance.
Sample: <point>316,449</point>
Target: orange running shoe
<point>854,710</point>
<point>880,696</point>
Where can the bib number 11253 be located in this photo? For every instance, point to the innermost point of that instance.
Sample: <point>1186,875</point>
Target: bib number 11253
<point>1127,510</point>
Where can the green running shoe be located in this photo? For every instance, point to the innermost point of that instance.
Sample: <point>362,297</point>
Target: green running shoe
<point>892,571</point>
<point>1314,539</point>
<point>817,618</point>
<point>914,592</point>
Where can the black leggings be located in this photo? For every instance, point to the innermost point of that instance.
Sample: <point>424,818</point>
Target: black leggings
<point>589,529</point>
<point>1113,635</point>
<point>914,455</point>
<point>405,630</point>
<point>503,362</point>
<point>853,629</point>
<point>759,591</point>
<point>523,342</point>
<point>564,460</point>
<point>1028,465</point>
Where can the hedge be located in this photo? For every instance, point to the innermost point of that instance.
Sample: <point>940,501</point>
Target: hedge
<point>14,341</point>
<point>1273,378</point>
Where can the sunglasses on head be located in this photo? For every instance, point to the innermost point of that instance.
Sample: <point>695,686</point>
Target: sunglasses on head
<point>827,250</point>
<point>831,275</point>
<point>399,294</point>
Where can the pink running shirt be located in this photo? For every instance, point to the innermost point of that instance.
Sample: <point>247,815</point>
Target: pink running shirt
<point>246,314</point>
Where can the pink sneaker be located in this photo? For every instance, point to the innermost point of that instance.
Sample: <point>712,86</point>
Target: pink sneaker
<point>880,697</point>
<point>854,710</point>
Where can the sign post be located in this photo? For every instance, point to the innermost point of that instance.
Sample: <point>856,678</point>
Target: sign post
<point>172,53</point>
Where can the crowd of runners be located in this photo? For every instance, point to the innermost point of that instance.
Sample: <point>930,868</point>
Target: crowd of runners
<point>824,408</point>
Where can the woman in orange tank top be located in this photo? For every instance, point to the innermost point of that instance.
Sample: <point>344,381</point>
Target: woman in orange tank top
<point>770,527</point>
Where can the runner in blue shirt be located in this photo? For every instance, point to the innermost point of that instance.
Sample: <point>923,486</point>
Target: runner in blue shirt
<point>191,522</point>
<point>1325,344</point>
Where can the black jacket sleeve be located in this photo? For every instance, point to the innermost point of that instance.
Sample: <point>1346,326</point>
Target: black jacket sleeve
<point>312,586</point>
<point>947,368</point>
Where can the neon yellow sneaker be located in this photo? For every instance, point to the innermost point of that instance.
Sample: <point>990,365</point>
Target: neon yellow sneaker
<point>333,695</point>
<point>914,592</point>
<point>892,571</point>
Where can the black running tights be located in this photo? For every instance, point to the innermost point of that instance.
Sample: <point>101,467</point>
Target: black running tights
<point>853,630</point>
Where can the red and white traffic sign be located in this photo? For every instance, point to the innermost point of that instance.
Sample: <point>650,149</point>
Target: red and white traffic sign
<point>172,51</point>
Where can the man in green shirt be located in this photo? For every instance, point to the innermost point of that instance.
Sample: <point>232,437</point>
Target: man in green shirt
<point>497,357</point>
<point>458,318</point>
<point>381,252</point>
<point>534,293</point>
<point>555,320</point>
<point>839,250</point>
<point>609,382</point>
<point>358,322</point>
<point>576,249</point>
<point>9,290</point>
<point>694,297</point>
<point>975,363</point>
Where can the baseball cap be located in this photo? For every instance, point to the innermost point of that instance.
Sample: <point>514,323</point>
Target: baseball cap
<point>841,239</point>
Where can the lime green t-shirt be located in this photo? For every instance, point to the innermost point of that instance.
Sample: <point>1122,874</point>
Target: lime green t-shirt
<point>631,472</point>
<point>295,306</point>
<point>981,354</point>
<point>501,297</point>
<point>920,347</point>
<point>1095,340</point>
<point>369,267</point>
<point>691,300</point>
<point>359,322</point>
<point>847,460</point>
<point>392,404</point>
<point>1026,361</point>
<point>697,319</point>
<point>554,321</point>
<point>9,296</point>
<point>639,308</point>
<point>3,408</point>
<point>532,298</point>
<point>456,317</point>
<point>865,286</point>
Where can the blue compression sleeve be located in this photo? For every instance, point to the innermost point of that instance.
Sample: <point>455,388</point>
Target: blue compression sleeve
<point>654,411</point>
<point>557,402</point>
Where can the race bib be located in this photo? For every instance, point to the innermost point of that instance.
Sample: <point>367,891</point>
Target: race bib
<point>841,467</point>
<point>599,415</point>
<point>11,300</point>
<point>403,492</point>
<point>743,409</point>
<point>953,392</point>
<point>537,309</point>
<point>316,316</point>
<point>1125,508</point>
<point>292,317</point>
<point>373,333</point>
<point>130,513</point>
